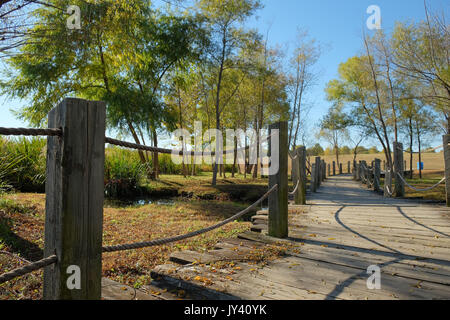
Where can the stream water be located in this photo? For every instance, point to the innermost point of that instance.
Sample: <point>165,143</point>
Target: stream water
<point>122,203</point>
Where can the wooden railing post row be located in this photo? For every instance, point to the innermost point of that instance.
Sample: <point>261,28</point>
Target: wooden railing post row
<point>278,200</point>
<point>74,200</point>
<point>398,169</point>
<point>446,140</point>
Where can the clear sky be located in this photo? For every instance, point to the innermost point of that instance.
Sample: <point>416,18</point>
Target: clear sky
<point>337,25</point>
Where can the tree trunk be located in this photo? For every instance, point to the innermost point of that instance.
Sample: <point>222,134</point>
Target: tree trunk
<point>155,156</point>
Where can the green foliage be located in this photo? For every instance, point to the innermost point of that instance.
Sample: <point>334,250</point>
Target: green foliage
<point>123,173</point>
<point>317,150</point>
<point>23,164</point>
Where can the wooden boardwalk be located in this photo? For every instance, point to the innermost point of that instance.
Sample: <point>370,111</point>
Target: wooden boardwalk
<point>342,231</point>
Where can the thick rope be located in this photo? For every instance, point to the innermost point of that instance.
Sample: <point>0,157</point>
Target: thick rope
<point>30,132</point>
<point>420,190</point>
<point>167,151</point>
<point>146,244</point>
<point>28,268</point>
<point>295,189</point>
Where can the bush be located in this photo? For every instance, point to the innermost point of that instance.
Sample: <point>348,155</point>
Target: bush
<point>123,173</point>
<point>23,164</point>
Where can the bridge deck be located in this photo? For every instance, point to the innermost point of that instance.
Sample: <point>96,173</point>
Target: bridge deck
<point>333,240</point>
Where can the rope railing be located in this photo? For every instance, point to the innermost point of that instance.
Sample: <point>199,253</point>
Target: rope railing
<point>30,132</point>
<point>418,189</point>
<point>140,245</point>
<point>170,151</point>
<point>295,189</point>
<point>28,268</point>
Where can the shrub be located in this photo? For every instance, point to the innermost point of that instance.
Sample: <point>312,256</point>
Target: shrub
<point>123,173</point>
<point>23,164</point>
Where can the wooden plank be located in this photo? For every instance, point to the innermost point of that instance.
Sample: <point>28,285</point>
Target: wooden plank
<point>74,198</point>
<point>112,290</point>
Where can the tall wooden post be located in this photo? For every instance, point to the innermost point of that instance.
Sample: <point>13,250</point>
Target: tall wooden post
<point>74,200</point>
<point>334,168</point>
<point>388,182</point>
<point>300,196</point>
<point>278,200</point>
<point>398,169</point>
<point>354,170</point>
<point>446,140</point>
<point>324,170</point>
<point>340,168</point>
<point>363,171</point>
<point>348,167</point>
<point>329,169</point>
<point>358,171</point>
<point>318,179</point>
<point>295,175</point>
<point>313,184</point>
<point>377,175</point>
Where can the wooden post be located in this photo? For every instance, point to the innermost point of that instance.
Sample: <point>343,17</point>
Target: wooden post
<point>318,179</point>
<point>334,168</point>
<point>340,168</point>
<point>300,196</point>
<point>388,182</point>
<point>377,175</point>
<point>446,140</point>
<point>398,169</point>
<point>313,185</point>
<point>358,171</point>
<point>329,169</point>
<point>348,167</point>
<point>363,173</point>
<point>278,200</point>
<point>324,170</point>
<point>354,170</point>
<point>74,199</point>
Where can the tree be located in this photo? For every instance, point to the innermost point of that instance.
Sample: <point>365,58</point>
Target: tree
<point>120,55</point>
<point>316,151</point>
<point>301,79</point>
<point>334,128</point>
<point>222,19</point>
<point>421,54</point>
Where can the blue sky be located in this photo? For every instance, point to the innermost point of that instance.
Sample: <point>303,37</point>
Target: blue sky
<point>337,25</point>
